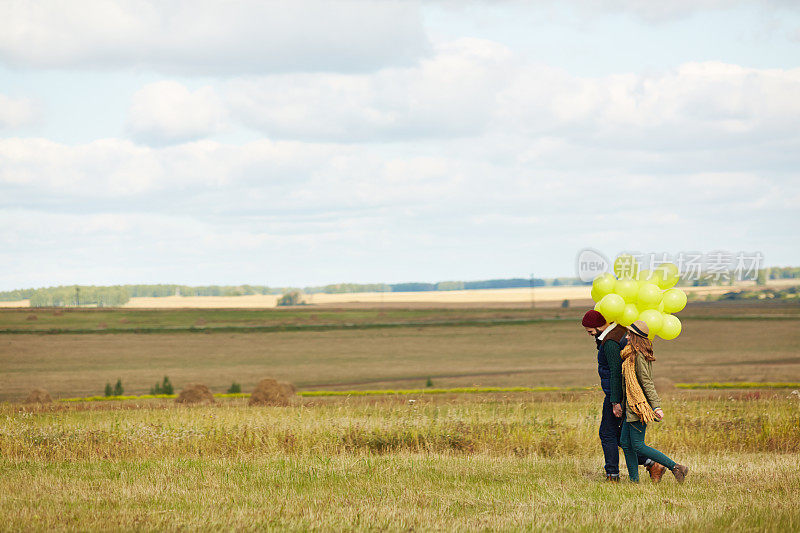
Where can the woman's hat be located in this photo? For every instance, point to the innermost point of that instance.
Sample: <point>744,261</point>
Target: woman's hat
<point>640,328</point>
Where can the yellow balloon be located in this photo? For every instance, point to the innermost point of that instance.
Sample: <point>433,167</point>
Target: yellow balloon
<point>666,275</point>
<point>654,321</point>
<point>604,283</point>
<point>671,327</point>
<point>649,296</point>
<point>628,289</point>
<point>629,315</point>
<point>626,267</point>
<point>660,307</point>
<point>674,300</point>
<point>646,276</point>
<point>611,307</point>
<point>596,296</point>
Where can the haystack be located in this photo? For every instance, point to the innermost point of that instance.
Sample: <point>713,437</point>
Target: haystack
<point>195,393</point>
<point>272,392</point>
<point>38,396</point>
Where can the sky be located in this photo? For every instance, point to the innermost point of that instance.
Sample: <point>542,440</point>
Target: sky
<point>311,142</point>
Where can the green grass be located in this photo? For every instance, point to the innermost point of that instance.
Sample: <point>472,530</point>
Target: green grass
<point>109,321</point>
<point>394,492</point>
<point>501,423</point>
<point>507,440</point>
<point>439,463</point>
<point>455,390</point>
<point>739,385</point>
<point>82,321</point>
<point>317,393</point>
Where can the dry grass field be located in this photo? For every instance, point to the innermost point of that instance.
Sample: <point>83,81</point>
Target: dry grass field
<point>501,461</point>
<point>740,342</point>
<point>490,462</point>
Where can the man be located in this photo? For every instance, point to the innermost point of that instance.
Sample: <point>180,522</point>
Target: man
<point>610,339</point>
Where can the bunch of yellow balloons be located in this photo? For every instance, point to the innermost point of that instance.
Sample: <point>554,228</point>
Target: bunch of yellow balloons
<point>629,295</point>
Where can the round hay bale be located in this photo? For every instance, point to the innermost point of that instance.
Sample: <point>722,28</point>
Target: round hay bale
<point>195,393</point>
<point>38,396</point>
<point>272,392</point>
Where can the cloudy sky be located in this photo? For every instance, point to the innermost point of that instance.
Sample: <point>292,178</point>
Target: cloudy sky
<point>312,142</point>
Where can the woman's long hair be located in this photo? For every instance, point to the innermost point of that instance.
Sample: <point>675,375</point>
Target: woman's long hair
<point>641,345</point>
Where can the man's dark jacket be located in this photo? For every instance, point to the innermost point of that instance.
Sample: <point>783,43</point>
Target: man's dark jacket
<point>609,362</point>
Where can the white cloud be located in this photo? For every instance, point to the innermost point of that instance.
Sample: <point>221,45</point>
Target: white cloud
<point>696,105</point>
<point>272,212</point>
<point>17,112</point>
<point>167,112</point>
<point>113,168</point>
<point>471,88</point>
<point>649,12</point>
<point>661,11</point>
<point>211,37</point>
<point>448,95</point>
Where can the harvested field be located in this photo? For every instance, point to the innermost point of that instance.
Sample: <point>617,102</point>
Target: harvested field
<point>737,348</point>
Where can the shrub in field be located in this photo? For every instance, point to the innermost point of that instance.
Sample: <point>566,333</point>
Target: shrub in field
<point>272,392</point>
<point>195,393</point>
<point>38,396</point>
<point>235,388</point>
<point>429,383</point>
<point>109,390</point>
<point>165,387</point>
<point>290,298</point>
<point>118,388</point>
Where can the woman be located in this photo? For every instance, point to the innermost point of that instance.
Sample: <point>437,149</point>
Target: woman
<point>642,404</point>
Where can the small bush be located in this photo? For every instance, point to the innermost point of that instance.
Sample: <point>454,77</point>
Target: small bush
<point>234,388</point>
<point>165,387</point>
<point>290,298</point>
<point>109,390</point>
<point>429,383</point>
<point>118,388</point>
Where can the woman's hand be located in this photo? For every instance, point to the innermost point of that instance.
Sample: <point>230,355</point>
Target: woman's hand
<point>659,413</point>
<point>617,410</point>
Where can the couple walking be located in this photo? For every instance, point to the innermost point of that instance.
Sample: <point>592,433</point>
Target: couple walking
<point>624,361</point>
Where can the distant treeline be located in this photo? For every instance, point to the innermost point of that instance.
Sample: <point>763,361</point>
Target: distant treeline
<point>784,273</point>
<point>208,290</point>
<point>789,293</point>
<point>72,295</point>
<point>81,295</point>
<point>117,295</point>
<point>441,286</point>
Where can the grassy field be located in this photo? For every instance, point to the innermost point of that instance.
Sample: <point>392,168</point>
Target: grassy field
<point>92,320</point>
<point>374,349</point>
<point>506,460</point>
<point>518,461</point>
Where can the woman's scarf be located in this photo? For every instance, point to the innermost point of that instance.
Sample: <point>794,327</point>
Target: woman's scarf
<point>634,395</point>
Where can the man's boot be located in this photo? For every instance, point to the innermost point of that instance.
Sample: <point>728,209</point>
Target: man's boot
<point>656,471</point>
<point>613,479</point>
<point>680,472</point>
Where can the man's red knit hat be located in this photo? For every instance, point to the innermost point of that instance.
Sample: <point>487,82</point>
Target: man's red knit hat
<point>593,319</point>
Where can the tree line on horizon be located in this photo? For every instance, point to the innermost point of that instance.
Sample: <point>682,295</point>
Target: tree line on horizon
<point>117,295</point>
